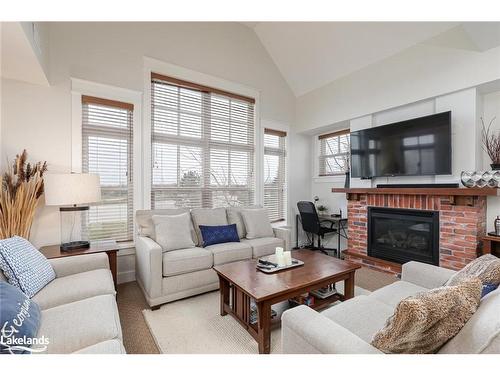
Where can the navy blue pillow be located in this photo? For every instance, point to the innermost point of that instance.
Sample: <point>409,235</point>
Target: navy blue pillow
<point>214,234</point>
<point>19,320</point>
<point>488,288</point>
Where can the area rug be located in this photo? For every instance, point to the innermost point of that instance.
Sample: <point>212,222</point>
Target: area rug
<point>194,326</point>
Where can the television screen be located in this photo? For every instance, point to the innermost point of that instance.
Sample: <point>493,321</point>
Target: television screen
<point>415,147</point>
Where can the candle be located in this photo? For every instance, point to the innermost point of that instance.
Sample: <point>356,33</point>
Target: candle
<point>287,255</point>
<point>280,259</point>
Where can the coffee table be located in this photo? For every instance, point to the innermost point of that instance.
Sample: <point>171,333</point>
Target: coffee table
<point>241,281</point>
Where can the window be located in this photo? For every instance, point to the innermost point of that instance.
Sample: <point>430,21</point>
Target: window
<point>107,143</point>
<point>275,174</point>
<point>202,146</point>
<point>334,152</point>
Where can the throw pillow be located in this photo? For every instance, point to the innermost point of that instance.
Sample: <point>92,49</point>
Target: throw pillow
<point>425,322</point>
<point>208,216</point>
<point>173,232</point>
<point>257,223</point>
<point>25,266</point>
<point>214,234</point>
<point>486,268</point>
<point>19,318</point>
<point>488,288</point>
<point>234,217</point>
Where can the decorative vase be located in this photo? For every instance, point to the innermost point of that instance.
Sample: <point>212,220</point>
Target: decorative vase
<point>347,183</point>
<point>495,167</point>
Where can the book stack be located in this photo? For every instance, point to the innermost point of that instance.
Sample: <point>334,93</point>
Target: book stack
<point>253,313</point>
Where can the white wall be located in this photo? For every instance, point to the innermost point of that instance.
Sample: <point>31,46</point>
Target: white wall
<point>39,118</point>
<point>491,108</point>
<point>418,73</point>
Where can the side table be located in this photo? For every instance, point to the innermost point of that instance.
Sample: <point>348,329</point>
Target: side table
<point>108,247</point>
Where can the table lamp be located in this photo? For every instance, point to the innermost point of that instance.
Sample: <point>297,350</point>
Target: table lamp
<point>72,193</point>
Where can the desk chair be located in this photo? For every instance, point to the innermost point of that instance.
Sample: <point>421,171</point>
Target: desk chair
<point>311,223</point>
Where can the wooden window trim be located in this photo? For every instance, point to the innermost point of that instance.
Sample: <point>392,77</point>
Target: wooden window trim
<point>334,134</point>
<point>277,133</point>
<point>196,86</point>
<point>107,102</point>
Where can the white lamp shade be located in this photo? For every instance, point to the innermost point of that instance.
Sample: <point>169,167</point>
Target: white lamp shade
<point>71,189</point>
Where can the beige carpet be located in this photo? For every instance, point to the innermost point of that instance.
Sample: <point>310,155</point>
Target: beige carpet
<point>194,326</point>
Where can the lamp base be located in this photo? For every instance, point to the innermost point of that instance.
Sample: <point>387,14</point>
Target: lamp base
<point>75,245</point>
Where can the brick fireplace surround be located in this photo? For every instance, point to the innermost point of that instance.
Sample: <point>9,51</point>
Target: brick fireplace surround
<point>462,221</point>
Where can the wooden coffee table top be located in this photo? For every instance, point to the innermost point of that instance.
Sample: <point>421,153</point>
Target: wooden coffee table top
<point>260,286</point>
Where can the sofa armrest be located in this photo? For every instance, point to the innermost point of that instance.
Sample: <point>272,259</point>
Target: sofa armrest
<point>148,255</point>
<point>285,234</point>
<point>305,331</point>
<point>425,275</point>
<point>80,263</point>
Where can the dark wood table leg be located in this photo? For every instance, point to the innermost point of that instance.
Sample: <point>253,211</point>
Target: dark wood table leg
<point>224,294</point>
<point>349,286</point>
<point>112,265</point>
<point>486,247</point>
<point>264,327</point>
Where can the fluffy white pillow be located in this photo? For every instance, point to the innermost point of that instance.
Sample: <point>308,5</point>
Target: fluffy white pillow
<point>173,232</point>
<point>257,223</point>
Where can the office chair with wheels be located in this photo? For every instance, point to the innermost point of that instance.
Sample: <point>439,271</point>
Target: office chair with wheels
<point>311,223</point>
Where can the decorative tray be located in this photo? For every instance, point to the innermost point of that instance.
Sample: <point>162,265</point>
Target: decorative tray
<point>272,258</point>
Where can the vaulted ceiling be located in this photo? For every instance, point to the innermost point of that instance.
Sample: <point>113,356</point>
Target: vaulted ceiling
<point>313,54</point>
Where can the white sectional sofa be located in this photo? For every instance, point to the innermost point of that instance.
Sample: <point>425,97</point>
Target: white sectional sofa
<point>348,327</point>
<point>166,276</point>
<point>79,311</point>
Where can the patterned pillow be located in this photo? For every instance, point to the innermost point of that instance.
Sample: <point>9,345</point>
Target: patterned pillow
<point>486,268</point>
<point>214,234</point>
<point>24,265</point>
<point>423,323</point>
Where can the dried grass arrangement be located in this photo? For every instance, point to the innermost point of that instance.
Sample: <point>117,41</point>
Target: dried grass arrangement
<point>20,191</point>
<point>491,143</point>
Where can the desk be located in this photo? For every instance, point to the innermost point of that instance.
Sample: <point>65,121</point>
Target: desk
<point>339,222</point>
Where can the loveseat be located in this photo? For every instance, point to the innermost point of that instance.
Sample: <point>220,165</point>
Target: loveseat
<point>79,313</point>
<point>348,327</point>
<point>166,276</point>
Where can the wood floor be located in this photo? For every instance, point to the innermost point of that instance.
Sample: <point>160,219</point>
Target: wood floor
<point>136,336</point>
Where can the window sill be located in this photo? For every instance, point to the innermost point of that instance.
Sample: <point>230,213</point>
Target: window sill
<point>326,179</point>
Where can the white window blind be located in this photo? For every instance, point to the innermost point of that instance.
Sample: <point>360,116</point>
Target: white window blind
<point>334,153</point>
<point>275,174</point>
<point>202,146</point>
<point>107,134</point>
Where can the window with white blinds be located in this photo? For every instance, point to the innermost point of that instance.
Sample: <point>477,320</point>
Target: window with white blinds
<point>107,144</point>
<point>334,152</point>
<point>203,146</point>
<point>275,174</point>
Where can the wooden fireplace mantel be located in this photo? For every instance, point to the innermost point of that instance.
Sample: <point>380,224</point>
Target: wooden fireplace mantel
<point>462,196</point>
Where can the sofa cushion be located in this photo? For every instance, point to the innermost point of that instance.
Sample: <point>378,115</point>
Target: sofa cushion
<point>75,287</point>
<point>27,268</point>
<point>173,232</point>
<point>423,323</point>
<point>145,226</point>
<point>257,223</point>
<point>481,334</point>
<point>19,317</point>
<point>207,216</point>
<point>392,294</point>
<point>234,217</point>
<point>182,261</point>
<point>361,315</point>
<point>230,252</point>
<point>214,234</point>
<point>264,246</point>
<point>105,347</point>
<point>80,324</point>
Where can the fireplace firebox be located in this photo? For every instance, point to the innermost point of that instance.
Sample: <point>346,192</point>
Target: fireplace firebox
<point>402,235</point>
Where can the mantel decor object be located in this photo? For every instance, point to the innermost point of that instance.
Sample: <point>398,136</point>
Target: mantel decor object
<point>72,193</point>
<point>479,179</point>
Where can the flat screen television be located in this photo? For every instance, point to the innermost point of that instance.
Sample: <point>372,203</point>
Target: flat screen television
<point>416,147</point>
